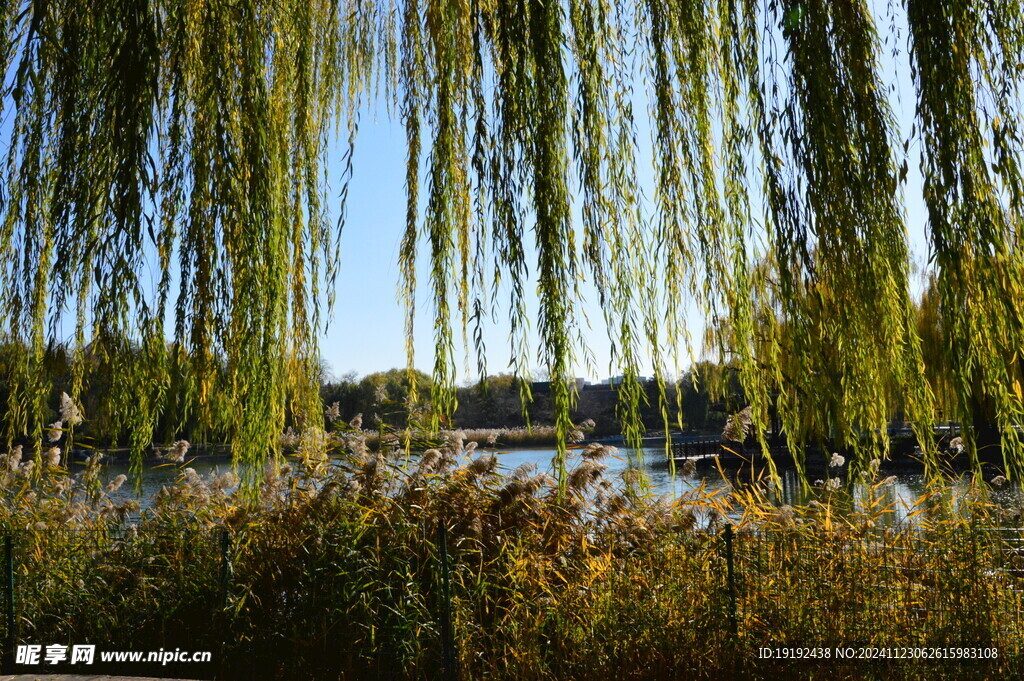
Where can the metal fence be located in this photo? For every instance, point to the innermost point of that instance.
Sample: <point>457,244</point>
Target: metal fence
<point>957,588</point>
<point>436,605</point>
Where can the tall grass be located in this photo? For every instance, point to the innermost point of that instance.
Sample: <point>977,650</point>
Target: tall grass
<point>332,570</point>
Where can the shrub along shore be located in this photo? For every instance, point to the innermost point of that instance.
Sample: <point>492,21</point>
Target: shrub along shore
<point>359,565</point>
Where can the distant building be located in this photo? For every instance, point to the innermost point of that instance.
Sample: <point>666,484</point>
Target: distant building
<point>581,384</point>
<point>615,381</point>
<point>544,387</point>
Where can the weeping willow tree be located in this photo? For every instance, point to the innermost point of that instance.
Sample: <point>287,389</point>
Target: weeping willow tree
<point>166,160</point>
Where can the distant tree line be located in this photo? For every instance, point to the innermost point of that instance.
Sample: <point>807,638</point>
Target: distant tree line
<point>701,401</point>
<point>107,422</point>
<point>707,394</point>
<point>381,398</point>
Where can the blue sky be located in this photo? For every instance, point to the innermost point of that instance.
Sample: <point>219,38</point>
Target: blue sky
<point>367,334</point>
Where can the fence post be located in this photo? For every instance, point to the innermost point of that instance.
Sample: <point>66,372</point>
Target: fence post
<point>731,574</point>
<point>977,587</point>
<point>9,581</point>
<point>225,576</point>
<point>225,566</point>
<point>447,636</point>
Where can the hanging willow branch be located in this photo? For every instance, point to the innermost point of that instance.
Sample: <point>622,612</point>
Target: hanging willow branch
<point>165,160</point>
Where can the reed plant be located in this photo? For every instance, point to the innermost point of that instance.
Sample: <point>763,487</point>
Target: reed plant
<point>332,569</point>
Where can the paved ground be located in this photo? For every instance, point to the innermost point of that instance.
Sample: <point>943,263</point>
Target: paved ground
<point>80,677</point>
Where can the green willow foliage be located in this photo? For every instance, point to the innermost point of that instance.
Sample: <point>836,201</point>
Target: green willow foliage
<point>191,134</point>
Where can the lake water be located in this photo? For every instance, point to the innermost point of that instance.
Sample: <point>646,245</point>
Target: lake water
<point>900,495</point>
